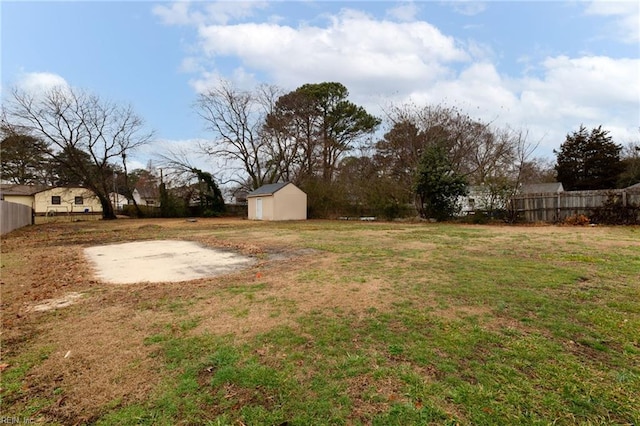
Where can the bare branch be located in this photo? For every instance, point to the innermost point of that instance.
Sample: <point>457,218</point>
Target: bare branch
<point>78,124</point>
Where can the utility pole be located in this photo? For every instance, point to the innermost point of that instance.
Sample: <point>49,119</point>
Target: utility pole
<point>115,193</point>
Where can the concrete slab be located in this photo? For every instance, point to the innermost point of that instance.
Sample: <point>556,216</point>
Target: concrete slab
<point>161,261</point>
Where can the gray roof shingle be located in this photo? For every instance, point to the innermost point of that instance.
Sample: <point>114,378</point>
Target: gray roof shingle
<point>15,189</point>
<point>541,188</point>
<point>268,189</point>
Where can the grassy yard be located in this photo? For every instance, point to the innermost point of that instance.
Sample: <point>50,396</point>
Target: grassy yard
<point>337,323</point>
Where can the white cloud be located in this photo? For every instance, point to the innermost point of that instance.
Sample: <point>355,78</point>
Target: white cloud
<point>626,26</point>
<point>593,78</point>
<point>587,90</point>
<point>178,13</point>
<point>479,51</point>
<point>353,48</point>
<point>181,12</point>
<point>191,64</point>
<point>39,82</point>
<point>206,80</point>
<point>405,12</point>
<point>240,77</point>
<point>571,91</point>
<point>382,60</point>
<point>226,11</point>
<point>468,7</point>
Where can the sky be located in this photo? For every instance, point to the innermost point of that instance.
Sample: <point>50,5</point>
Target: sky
<point>545,67</point>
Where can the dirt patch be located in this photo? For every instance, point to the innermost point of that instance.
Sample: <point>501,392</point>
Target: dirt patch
<point>57,303</point>
<point>371,396</point>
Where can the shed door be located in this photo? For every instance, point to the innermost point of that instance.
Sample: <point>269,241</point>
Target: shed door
<point>259,208</point>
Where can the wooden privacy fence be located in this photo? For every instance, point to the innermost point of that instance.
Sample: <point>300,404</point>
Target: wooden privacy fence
<point>556,207</point>
<point>14,216</point>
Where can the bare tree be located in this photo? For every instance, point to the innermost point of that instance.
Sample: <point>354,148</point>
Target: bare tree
<point>236,119</point>
<point>523,149</point>
<point>78,126</point>
<point>472,146</point>
<point>538,170</point>
<point>494,159</point>
<point>397,156</point>
<point>192,184</point>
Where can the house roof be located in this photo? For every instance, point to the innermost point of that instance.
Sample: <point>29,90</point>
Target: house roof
<point>26,190</point>
<point>635,187</point>
<point>268,189</point>
<point>15,189</point>
<point>477,189</point>
<point>540,188</point>
<point>147,192</point>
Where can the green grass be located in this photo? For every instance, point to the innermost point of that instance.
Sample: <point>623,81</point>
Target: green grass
<point>13,380</point>
<point>483,326</point>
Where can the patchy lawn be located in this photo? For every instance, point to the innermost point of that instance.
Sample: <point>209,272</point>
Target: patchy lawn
<point>333,323</point>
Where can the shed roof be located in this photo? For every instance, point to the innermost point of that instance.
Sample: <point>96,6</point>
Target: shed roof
<point>540,188</point>
<point>268,189</point>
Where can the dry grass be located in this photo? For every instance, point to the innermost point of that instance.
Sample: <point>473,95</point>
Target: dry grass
<point>96,356</point>
<point>97,341</point>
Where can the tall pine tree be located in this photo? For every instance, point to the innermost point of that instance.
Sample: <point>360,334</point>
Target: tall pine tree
<point>588,160</point>
<point>436,185</point>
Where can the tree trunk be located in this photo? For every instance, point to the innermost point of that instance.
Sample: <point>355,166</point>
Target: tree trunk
<point>107,208</point>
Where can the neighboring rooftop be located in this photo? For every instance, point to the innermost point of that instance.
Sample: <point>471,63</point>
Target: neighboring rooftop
<point>635,187</point>
<point>16,189</point>
<point>542,188</point>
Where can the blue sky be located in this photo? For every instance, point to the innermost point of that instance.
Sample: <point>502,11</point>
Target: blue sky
<point>543,66</point>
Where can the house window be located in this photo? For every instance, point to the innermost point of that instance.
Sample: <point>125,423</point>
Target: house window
<point>55,199</point>
<point>78,201</point>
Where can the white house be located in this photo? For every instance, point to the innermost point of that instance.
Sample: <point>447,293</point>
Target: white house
<point>51,201</point>
<point>542,188</point>
<point>118,200</point>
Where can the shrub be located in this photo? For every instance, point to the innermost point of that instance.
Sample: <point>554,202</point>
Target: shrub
<point>142,211</point>
<point>577,220</point>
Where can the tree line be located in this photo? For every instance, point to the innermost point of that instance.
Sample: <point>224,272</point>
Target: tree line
<point>313,136</point>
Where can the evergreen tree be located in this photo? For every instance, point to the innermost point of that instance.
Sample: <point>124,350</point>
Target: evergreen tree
<point>210,196</point>
<point>437,186</point>
<point>588,160</point>
<point>23,160</point>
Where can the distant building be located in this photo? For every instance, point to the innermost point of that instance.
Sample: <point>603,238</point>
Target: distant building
<point>475,200</point>
<point>633,188</point>
<point>52,200</point>
<point>277,201</point>
<point>118,200</point>
<point>147,196</point>
<point>542,188</point>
